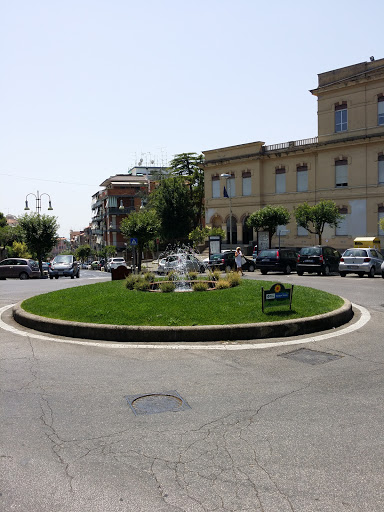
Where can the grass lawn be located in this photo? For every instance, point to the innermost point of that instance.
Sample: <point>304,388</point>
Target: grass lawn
<point>111,303</point>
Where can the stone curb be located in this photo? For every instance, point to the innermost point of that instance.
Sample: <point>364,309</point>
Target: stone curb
<point>141,334</point>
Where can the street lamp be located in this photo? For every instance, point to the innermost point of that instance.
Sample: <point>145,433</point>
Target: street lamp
<point>227,177</point>
<point>38,201</point>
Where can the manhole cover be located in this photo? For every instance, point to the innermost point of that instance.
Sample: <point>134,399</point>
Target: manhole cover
<point>306,355</point>
<point>152,403</point>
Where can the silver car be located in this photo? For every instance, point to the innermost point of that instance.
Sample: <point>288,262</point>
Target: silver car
<point>21,268</point>
<point>361,261</point>
<point>180,263</point>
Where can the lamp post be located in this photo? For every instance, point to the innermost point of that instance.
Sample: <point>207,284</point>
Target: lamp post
<point>38,201</point>
<point>227,177</point>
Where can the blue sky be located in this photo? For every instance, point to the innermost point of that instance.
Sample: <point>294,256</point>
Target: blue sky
<point>89,87</point>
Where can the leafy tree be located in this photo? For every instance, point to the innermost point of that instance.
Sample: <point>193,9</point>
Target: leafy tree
<point>268,218</point>
<point>83,252</point>
<point>3,220</point>
<point>190,167</point>
<point>143,225</point>
<point>19,250</point>
<point>8,235</point>
<point>175,210</point>
<point>108,251</point>
<point>40,234</point>
<point>199,234</point>
<point>314,218</point>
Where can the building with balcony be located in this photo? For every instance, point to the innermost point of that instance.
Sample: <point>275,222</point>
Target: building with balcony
<point>344,163</point>
<point>121,195</point>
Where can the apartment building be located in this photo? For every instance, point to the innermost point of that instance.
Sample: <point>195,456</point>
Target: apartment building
<point>345,163</point>
<point>121,195</point>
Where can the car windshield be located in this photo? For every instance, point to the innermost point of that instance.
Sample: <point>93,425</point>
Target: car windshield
<point>217,256</point>
<point>63,259</point>
<point>355,252</point>
<point>267,254</point>
<point>311,251</point>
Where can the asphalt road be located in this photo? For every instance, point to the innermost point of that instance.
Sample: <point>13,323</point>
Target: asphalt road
<point>272,429</point>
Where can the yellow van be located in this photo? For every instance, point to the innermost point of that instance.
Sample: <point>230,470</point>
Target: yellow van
<point>367,241</point>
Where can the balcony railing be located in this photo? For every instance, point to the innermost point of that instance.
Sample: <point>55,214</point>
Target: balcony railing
<point>291,144</point>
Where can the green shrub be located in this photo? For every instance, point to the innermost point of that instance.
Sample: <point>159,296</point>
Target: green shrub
<point>142,285</point>
<point>167,287</point>
<point>234,279</point>
<point>222,284</point>
<point>149,276</point>
<point>173,276</point>
<point>214,275</point>
<point>200,286</point>
<point>192,276</point>
<point>131,280</point>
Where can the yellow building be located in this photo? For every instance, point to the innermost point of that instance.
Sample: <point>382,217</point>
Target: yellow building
<point>344,163</point>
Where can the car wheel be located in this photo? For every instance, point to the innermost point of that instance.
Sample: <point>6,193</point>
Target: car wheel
<point>50,277</point>
<point>382,275</point>
<point>371,272</point>
<point>251,268</point>
<point>288,269</point>
<point>264,272</point>
<point>23,276</point>
<point>343,274</point>
<point>56,277</point>
<point>299,272</point>
<point>361,274</point>
<point>326,271</point>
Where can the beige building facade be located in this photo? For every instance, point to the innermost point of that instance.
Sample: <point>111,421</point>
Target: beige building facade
<point>344,163</point>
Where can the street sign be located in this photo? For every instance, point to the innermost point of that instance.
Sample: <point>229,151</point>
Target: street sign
<point>133,241</point>
<point>277,295</point>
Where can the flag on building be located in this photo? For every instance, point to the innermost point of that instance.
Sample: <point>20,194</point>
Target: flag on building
<point>225,192</point>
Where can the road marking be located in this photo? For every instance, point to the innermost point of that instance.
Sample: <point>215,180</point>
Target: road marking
<point>230,345</point>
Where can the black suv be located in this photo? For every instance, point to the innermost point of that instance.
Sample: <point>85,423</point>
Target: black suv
<point>276,260</point>
<point>319,259</point>
<point>226,261</point>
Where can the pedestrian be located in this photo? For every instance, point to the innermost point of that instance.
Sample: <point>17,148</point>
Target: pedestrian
<point>238,256</point>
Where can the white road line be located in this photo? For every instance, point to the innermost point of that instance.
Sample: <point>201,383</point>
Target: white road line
<point>365,317</point>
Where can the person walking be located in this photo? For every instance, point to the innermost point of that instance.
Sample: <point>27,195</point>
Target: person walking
<point>238,256</point>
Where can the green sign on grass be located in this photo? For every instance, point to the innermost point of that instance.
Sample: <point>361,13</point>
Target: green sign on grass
<point>277,295</point>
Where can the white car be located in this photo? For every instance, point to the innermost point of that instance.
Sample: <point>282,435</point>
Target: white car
<point>114,263</point>
<point>180,263</point>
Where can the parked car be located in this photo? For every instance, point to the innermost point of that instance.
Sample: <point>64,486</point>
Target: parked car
<point>382,270</point>
<point>64,265</point>
<point>45,266</point>
<point>276,260</point>
<point>206,260</point>
<point>95,265</point>
<point>226,261</point>
<point>21,268</point>
<point>180,262</point>
<point>360,262</point>
<point>319,259</point>
<point>114,263</point>
<point>254,253</point>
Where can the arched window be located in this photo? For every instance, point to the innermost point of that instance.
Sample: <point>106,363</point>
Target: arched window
<point>247,232</point>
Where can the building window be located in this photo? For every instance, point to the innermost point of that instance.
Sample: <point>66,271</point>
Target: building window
<point>280,181</point>
<point>341,173</point>
<point>247,189</point>
<point>215,186</point>
<point>381,169</point>
<point>231,186</point>
<point>302,178</point>
<point>301,231</point>
<point>341,118</point>
<point>342,228</point>
<point>380,110</point>
<point>381,216</point>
